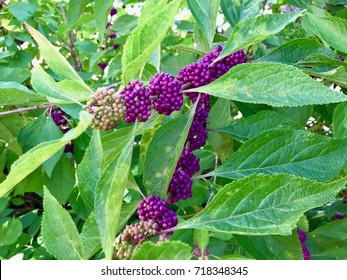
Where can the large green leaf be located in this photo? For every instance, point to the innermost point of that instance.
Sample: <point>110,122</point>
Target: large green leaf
<point>271,83</point>
<point>271,247</point>
<point>12,93</point>
<point>169,250</point>
<point>328,28</point>
<point>248,128</point>
<point>340,121</point>
<point>109,196</point>
<point>296,152</point>
<point>101,11</point>
<point>240,10</point>
<point>145,38</point>
<point>58,92</point>
<point>163,153</point>
<point>256,29</point>
<point>53,57</point>
<point>205,13</point>
<point>89,170</point>
<point>263,204</point>
<point>28,162</point>
<point>292,51</point>
<point>59,232</point>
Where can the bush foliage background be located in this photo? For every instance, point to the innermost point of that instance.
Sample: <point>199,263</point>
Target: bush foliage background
<point>275,160</point>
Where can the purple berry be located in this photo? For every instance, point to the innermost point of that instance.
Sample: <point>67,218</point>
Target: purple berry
<point>302,238</point>
<point>338,217</point>
<point>137,102</point>
<point>113,12</point>
<point>102,65</point>
<point>166,91</point>
<point>58,116</point>
<point>151,207</point>
<point>340,57</point>
<point>193,76</point>
<point>112,35</point>
<point>180,187</point>
<point>188,162</point>
<point>168,220</point>
<point>115,46</point>
<point>69,147</point>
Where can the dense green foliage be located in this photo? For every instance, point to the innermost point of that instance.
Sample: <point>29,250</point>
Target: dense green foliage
<point>275,161</point>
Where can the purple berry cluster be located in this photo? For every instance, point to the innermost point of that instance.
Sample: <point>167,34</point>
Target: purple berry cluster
<point>302,238</point>
<point>192,76</point>
<point>155,217</point>
<point>137,102</point>
<point>107,107</point>
<point>166,93</point>
<point>198,254</point>
<point>153,208</point>
<point>60,119</point>
<point>340,57</point>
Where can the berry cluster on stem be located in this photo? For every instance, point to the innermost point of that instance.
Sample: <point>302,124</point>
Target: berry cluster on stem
<point>60,119</point>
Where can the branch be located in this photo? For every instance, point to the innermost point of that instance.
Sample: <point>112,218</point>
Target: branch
<point>23,109</point>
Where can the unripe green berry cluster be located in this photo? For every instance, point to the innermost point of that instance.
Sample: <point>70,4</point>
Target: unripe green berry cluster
<point>134,235</point>
<point>107,107</point>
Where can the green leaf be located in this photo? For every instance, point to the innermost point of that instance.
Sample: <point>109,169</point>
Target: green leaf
<point>76,8</point>
<point>220,116</point>
<point>90,236</point>
<point>10,231</point>
<point>201,237</point>
<point>145,38</point>
<point>28,162</point>
<point>263,204</point>
<point>12,93</point>
<point>329,241</point>
<point>59,232</point>
<point>53,58</point>
<point>31,135</point>
<point>22,11</point>
<point>256,29</point>
<point>89,170</point>
<point>271,83</point>
<point>109,197</point>
<point>101,11</point>
<point>321,59</point>
<point>126,212</point>
<point>58,92</point>
<point>296,152</point>
<point>304,3</point>
<point>336,76</point>
<point>168,142</point>
<point>169,250</point>
<point>240,10</point>
<point>205,13</point>
<point>328,28</point>
<point>248,128</point>
<point>9,138</point>
<point>269,247</point>
<point>292,51</point>
<point>61,182</point>
<point>113,143</point>
<point>340,121</point>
